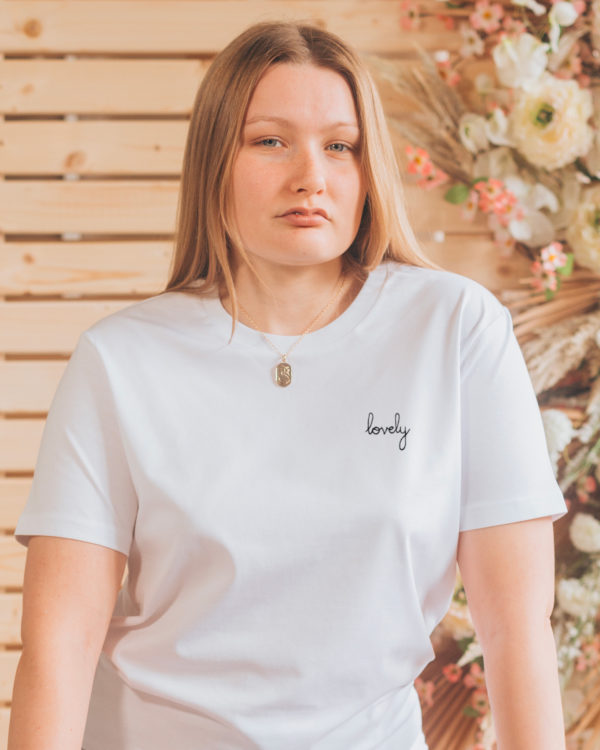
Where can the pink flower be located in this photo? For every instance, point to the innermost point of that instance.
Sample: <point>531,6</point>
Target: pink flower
<point>590,483</point>
<point>583,497</point>
<point>486,17</point>
<point>452,672</point>
<point>513,26</point>
<point>410,15</point>
<point>448,21</point>
<point>553,257</point>
<point>505,242</point>
<point>419,161</point>
<point>425,691</point>
<point>469,207</point>
<point>430,181</point>
<point>488,191</point>
<point>475,678</point>
<point>447,74</point>
<point>480,702</point>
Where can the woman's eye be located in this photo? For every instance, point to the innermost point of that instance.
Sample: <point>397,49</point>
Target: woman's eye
<point>340,148</point>
<point>267,141</point>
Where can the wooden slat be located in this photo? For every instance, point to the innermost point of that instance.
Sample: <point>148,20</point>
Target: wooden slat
<point>91,147</point>
<point>13,496</point>
<point>48,206</point>
<point>11,610</point>
<point>5,715</point>
<point>49,327</point>
<point>83,268</point>
<point>479,259</point>
<point>12,565</point>
<point>148,206</point>
<point>132,87</point>
<point>28,386</point>
<point>184,27</point>
<point>19,444</point>
<point>141,268</point>
<point>8,667</point>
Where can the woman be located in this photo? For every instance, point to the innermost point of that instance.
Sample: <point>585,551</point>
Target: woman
<point>292,446</point>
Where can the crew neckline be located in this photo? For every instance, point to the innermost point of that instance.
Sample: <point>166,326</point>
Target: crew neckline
<point>337,328</point>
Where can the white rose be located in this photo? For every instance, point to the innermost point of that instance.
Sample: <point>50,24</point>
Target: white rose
<point>584,532</point>
<point>583,231</point>
<point>559,432</point>
<point>520,63</point>
<point>575,599</point>
<point>549,124</point>
<point>472,132</point>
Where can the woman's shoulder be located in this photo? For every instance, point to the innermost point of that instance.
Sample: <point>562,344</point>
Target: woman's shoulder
<point>149,321</point>
<point>460,298</point>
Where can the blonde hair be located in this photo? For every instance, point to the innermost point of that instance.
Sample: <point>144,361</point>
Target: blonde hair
<point>205,236</point>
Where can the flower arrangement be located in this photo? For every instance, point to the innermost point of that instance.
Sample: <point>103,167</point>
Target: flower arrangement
<point>509,126</point>
<point>510,123</point>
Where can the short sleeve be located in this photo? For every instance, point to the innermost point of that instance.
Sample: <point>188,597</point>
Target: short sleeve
<point>506,471</point>
<point>81,488</point>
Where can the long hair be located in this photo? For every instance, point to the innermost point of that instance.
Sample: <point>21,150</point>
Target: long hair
<point>206,237</point>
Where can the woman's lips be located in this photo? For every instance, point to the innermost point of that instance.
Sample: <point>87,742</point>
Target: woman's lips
<point>304,220</point>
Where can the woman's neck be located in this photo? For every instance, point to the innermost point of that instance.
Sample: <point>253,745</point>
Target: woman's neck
<point>289,298</point>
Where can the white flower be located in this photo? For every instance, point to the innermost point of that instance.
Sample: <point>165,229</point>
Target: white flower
<point>537,8</point>
<point>575,598</point>
<point>496,128</point>
<point>583,231</point>
<point>496,163</point>
<point>472,132</point>
<point>534,228</point>
<point>520,63</point>
<point>549,124</point>
<point>441,55</point>
<point>584,532</point>
<point>559,432</point>
<point>562,14</point>
<point>458,622</point>
<point>473,651</point>
<point>472,42</point>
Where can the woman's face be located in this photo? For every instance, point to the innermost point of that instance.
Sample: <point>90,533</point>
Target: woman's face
<point>299,151</point>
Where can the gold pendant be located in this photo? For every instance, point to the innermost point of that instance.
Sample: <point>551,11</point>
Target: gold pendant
<point>283,374</point>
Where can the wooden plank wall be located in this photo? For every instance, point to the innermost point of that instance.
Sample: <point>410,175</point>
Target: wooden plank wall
<point>95,98</point>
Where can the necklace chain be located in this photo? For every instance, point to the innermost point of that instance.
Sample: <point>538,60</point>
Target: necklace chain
<point>283,376</point>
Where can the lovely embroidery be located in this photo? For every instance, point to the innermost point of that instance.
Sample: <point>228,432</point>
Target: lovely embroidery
<point>395,429</point>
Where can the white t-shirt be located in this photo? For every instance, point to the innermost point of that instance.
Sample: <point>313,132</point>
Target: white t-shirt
<point>290,549</point>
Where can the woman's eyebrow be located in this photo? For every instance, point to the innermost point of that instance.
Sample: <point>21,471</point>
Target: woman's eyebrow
<point>284,121</point>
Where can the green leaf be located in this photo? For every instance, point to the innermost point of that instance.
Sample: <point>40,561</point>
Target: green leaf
<point>549,294</point>
<point>457,194</point>
<point>567,269</point>
<point>464,643</point>
<point>479,179</point>
<point>470,711</point>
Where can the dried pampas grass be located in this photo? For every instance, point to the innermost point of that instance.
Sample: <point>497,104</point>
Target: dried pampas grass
<point>433,124</point>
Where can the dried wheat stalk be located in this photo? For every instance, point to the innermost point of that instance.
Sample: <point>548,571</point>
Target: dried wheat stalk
<point>559,348</point>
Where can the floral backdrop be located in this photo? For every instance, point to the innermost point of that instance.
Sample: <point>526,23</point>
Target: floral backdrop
<point>507,127</point>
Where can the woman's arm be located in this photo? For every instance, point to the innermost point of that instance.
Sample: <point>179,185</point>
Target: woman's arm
<point>508,575</point>
<point>69,593</point>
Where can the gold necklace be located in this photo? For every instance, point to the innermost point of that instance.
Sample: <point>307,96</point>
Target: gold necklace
<point>282,374</point>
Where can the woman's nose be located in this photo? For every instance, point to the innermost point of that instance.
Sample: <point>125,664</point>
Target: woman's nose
<point>308,173</point>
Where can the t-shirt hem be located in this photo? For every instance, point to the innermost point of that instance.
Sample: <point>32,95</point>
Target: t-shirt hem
<point>484,515</point>
<point>52,525</point>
